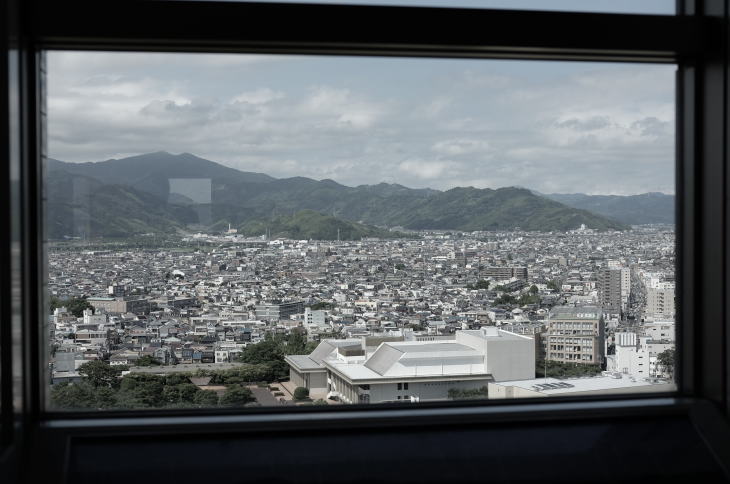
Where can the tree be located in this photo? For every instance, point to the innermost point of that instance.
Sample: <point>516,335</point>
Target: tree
<point>148,360</point>
<point>321,305</point>
<point>272,349</point>
<point>76,306</point>
<point>481,284</point>
<point>556,369</point>
<point>142,390</point>
<point>319,401</point>
<point>265,351</point>
<point>553,284</point>
<point>296,343</point>
<point>100,374</point>
<point>73,396</point>
<point>505,299</point>
<point>459,394</point>
<point>301,393</point>
<point>54,303</point>
<point>179,394</point>
<point>666,360</point>
<point>106,398</point>
<point>534,290</point>
<point>528,298</point>
<point>206,398</point>
<point>237,396</point>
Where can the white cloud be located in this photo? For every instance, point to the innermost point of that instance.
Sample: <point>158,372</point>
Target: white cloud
<point>549,126</point>
<point>424,169</point>
<point>259,96</point>
<point>463,146</point>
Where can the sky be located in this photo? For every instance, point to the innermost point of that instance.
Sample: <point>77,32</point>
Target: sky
<point>555,127</point>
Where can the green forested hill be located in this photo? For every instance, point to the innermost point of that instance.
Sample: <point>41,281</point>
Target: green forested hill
<point>646,208</point>
<point>160,192</point>
<point>309,224</point>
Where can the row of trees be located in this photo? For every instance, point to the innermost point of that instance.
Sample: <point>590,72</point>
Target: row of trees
<point>272,350</point>
<point>557,369</point>
<point>102,387</point>
<point>474,394</point>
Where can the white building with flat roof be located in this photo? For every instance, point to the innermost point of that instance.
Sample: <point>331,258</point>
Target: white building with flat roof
<point>598,385</point>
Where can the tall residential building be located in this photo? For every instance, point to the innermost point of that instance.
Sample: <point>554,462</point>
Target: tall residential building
<point>614,289</point>
<point>575,335</point>
<point>659,303</point>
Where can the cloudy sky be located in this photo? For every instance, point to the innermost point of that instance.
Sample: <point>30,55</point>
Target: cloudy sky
<point>551,126</point>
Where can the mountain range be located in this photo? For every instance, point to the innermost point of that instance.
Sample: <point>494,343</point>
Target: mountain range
<point>165,193</point>
<point>647,208</point>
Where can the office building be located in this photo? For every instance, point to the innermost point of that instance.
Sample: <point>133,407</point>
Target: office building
<point>575,335</point>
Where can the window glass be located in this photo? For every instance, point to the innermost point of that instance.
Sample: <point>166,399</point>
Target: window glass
<point>250,230</point>
<point>657,7</point>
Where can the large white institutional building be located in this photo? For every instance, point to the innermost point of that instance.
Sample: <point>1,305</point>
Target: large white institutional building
<point>414,370</point>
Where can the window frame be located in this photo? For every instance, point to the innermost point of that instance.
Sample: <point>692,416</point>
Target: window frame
<point>695,39</point>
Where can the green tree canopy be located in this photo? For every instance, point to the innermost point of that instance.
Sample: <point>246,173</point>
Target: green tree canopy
<point>148,360</point>
<point>473,394</point>
<point>666,359</point>
<point>321,305</point>
<point>206,398</point>
<point>556,369</point>
<point>73,396</point>
<point>142,391</point>
<point>100,374</point>
<point>237,396</point>
<point>76,306</point>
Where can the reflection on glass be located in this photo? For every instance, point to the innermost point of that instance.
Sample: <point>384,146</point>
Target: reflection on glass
<point>233,231</point>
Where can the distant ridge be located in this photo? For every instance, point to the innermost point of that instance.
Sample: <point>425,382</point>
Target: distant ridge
<point>149,187</point>
<point>646,208</point>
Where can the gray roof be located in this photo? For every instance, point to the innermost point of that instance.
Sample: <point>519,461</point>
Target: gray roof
<point>580,312</point>
<point>326,347</point>
<point>303,362</point>
<point>383,358</point>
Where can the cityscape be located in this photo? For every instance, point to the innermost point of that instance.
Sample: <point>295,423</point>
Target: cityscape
<point>228,319</point>
<point>356,230</point>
